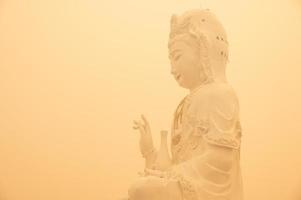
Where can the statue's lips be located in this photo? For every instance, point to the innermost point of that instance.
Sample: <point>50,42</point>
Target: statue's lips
<point>178,77</point>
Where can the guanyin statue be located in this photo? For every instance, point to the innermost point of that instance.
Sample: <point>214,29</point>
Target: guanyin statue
<point>206,131</point>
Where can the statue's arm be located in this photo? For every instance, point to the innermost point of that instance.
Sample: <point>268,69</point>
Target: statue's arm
<point>215,128</point>
<point>213,165</point>
<point>150,158</point>
<point>147,149</point>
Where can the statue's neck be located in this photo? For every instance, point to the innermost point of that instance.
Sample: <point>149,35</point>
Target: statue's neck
<point>194,89</point>
<point>218,70</point>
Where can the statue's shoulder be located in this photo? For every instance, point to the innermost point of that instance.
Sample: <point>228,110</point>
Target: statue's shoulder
<point>221,95</point>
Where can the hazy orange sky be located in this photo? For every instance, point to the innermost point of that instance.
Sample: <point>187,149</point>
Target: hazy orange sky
<point>75,74</point>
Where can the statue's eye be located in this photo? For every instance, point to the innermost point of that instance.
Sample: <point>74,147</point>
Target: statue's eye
<point>177,57</point>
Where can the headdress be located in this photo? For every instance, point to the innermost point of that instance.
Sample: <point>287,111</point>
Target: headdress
<point>208,33</point>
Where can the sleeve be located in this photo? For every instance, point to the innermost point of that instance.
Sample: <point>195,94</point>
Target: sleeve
<point>216,124</point>
<point>221,121</point>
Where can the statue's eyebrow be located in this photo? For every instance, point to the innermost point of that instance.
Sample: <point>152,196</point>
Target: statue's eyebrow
<point>172,52</point>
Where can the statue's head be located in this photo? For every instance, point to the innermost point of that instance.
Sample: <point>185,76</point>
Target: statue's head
<point>198,48</point>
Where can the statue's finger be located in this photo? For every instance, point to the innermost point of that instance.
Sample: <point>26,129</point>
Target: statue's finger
<point>145,122</point>
<point>144,119</point>
<point>141,129</point>
<point>139,124</point>
<point>142,123</point>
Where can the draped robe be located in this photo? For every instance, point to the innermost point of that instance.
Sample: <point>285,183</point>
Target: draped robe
<point>208,115</point>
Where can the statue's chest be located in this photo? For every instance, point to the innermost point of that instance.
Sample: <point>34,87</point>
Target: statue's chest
<point>183,143</point>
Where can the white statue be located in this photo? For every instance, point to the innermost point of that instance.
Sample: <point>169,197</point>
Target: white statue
<point>206,132</point>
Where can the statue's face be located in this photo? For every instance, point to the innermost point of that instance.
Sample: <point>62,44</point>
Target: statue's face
<point>184,58</point>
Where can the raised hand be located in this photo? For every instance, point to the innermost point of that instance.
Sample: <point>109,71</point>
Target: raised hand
<point>146,141</point>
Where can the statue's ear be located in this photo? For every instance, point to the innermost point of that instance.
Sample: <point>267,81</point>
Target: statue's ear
<point>194,30</point>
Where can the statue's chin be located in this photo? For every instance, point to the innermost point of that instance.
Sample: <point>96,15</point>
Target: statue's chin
<point>179,83</point>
